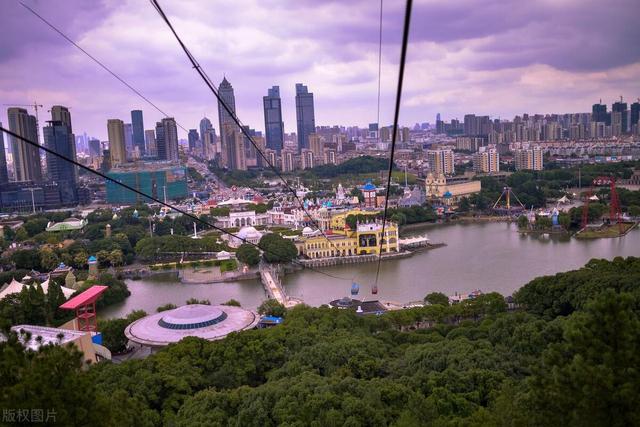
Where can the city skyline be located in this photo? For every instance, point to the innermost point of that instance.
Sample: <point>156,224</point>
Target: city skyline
<point>463,62</point>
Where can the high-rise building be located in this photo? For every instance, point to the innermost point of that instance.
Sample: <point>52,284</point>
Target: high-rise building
<point>288,161</point>
<point>205,125</point>
<point>441,161</point>
<point>167,139</point>
<point>117,151</point>
<point>305,115</point>
<point>316,144</point>
<point>193,139</point>
<point>307,159</point>
<point>385,134</point>
<point>95,148</point>
<point>137,128</point>
<point>634,117</point>
<point>617,127</point>
<point>273,124</point>
<point>470,124</point>
<point>171,138</point>
<point>151,148</point>
<point>225,90</point>
<point>26,157</point>
<point>233,153</point>
<point>4,175</point>
<point>486,160</point>
<point>59,138</point>
<point>529,159</point>
<point>128,141</point>
<point>61,114</point>
<point>210,146</point>
<point>160,145</point>
<point>330,157</point>
<point>599,114</point>
<point>621,107</point>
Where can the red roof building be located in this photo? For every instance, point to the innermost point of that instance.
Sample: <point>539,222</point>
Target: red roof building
<point>84,305</point>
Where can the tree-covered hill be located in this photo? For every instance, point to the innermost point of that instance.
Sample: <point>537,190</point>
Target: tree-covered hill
<point>568,357</point>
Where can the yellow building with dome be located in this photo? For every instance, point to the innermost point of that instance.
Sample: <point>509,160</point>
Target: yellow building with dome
<point>365,240</point>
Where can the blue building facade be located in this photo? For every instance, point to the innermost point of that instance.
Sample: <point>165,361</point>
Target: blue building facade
<point>305,115</point>
<point>273,124</point>
<point>137,128</point>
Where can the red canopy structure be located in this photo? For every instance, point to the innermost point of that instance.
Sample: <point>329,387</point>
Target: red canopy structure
<point>85,307</point>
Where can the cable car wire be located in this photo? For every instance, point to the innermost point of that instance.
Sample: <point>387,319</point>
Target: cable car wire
<point>97,61</point>
<point>232,114</point>
<point>403,57</point>
<point>137,92</point>
<point>168,205</point>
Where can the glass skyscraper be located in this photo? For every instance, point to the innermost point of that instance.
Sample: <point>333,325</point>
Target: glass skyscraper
<point>305,115</point>
<point>59,138</point>
<point>137,128</point>
<point>193,139</point>
<point>273,125</point>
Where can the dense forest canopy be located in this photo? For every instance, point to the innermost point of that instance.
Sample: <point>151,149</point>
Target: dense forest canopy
<point>567,356</point>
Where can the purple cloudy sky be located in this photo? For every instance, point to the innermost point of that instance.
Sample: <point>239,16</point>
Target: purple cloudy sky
<point>494,57</point>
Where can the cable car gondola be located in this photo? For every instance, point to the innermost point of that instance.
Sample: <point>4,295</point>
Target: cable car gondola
<point>355,288</point>
<point>374,289</point>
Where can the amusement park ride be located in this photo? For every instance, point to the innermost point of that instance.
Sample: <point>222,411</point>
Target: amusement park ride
<point>615,214</point>
<point>508,209</point>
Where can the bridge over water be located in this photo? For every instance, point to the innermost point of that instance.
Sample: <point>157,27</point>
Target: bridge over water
<point>273,285</point>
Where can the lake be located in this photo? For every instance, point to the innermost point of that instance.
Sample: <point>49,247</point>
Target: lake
<point>486,256</point>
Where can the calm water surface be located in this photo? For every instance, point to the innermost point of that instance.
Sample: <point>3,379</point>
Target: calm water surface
<point>486,256</point>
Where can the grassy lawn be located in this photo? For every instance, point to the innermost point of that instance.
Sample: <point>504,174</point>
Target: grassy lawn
<point>604,231</point>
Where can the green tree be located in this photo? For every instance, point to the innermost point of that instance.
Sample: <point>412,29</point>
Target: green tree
<point>165,307</point>
<point>8,234</point>
<point>464,205</point>
<point>191,301</point>
<point>48,259</point>
<point>232,302</point>
<point>248,254</point>
<point>21,235</point>
<point>28,259</point>
<point>271,307</point>
<point>80,259</point>
<point>261,208</point>
<point>591,377</point>
<point>35,226</point>
<point>437,298</point>
<point>112,330</point>
<point>277,249</point>
<point>523,222</point>
<point>116,258</point>
<point>220,211</point>
<point>634,210</point>
<point>50,379</point>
